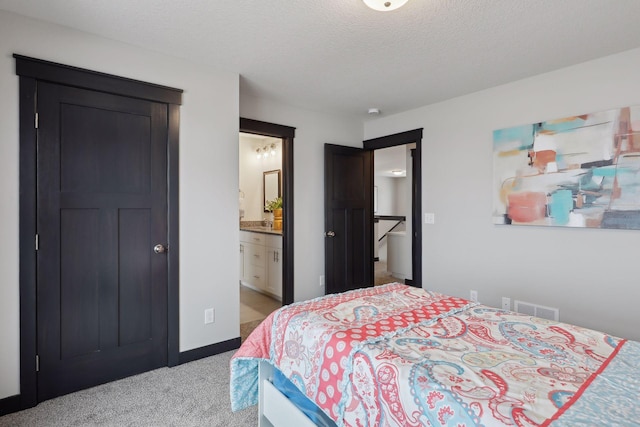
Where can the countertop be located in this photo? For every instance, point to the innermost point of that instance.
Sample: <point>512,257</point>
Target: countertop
<point>261,229</point>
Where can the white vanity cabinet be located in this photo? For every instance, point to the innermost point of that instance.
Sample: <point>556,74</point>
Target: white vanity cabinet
<point>261,262</point>
<point>274,265</point>
<point>253,254</point>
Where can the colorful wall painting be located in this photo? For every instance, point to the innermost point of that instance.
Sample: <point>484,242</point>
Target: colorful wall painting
<point>581,171</point>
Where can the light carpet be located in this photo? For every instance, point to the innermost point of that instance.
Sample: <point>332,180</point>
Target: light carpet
<point>193,394</point>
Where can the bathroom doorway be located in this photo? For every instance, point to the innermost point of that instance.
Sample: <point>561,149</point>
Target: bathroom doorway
<point>265,210</point>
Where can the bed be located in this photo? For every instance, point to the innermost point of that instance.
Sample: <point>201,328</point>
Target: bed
<point>396,355</point>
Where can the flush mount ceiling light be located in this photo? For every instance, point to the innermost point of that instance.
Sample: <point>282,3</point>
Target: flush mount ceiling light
<point>384,5</point>
<point>397,172</point>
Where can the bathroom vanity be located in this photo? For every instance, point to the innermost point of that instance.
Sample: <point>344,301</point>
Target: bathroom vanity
<point>261,260</point>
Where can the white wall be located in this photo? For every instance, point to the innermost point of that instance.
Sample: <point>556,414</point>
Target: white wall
<point>313,130</point>
<point>402,195</point>
<point>590,274</point>
<point>386,195</point>
<point>208,157</point>
<point>251,174</point>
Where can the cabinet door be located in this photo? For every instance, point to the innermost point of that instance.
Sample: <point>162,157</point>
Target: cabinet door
<point>255,238</point>
<point>255,254</point>
<point>274,271</point>
<point>255,277</point>
<point>253,266</point>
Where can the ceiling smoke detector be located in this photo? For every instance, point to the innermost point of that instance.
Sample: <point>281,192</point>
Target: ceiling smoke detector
<point>384,5</point>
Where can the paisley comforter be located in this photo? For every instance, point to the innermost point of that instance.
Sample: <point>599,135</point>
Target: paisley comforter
<point>395,355</point>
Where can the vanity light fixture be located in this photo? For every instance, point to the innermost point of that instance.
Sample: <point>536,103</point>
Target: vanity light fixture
<point>384,5</point>
<point>264,152</point>
<point>397,172</point>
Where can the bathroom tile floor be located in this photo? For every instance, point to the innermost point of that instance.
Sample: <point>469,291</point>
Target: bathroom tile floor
<point>254,308</point>
<point>255,305</point>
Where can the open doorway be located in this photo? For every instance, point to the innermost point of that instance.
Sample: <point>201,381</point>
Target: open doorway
<point>348,212</point>
<point>265,212</point>
<point>259,199</point>
<point>392,205</point>
<point>404,207</point>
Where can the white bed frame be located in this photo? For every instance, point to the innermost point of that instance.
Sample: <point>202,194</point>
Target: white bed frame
<point>274,408</point>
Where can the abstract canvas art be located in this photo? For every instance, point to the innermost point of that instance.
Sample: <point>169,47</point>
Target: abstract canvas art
<point>580,171</point>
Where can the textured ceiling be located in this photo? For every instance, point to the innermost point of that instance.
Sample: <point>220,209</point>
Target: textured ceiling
<point>340,57</point>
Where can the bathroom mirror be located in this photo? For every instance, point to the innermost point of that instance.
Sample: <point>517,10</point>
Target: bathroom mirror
<point>270,186</point>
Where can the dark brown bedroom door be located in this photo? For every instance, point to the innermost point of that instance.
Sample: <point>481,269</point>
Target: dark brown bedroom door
<point>102,207</point>
<point>348,205</point>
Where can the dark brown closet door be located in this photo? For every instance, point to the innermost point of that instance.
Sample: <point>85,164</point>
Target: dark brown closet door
<point>102,207</point>
<point>348,214</point>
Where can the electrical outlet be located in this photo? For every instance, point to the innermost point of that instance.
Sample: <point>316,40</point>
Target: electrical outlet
<point>321,281</point>
<point>506,303</point>
<point>473,296</point>
<point>209,316</point>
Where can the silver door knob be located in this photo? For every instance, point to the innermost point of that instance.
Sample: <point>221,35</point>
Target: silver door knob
<point>159,249</point>
<point>330,234</point>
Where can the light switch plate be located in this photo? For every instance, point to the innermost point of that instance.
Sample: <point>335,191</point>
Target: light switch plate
<point>429,218</point>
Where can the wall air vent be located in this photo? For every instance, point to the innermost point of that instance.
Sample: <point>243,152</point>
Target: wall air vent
<point>550,313</point>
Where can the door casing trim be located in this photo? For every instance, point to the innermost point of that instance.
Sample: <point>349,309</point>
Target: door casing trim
<point>30,71</point>
<point>403,138</point>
